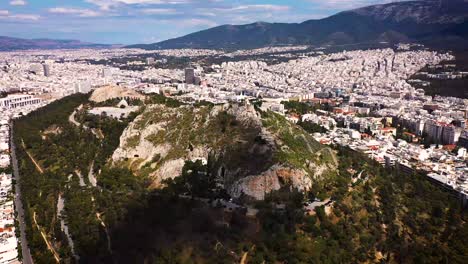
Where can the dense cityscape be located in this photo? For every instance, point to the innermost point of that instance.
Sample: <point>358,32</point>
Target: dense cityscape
<point>362,99</point>
<point>251,132</point>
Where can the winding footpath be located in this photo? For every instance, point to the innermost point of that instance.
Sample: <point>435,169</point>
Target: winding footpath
<point>64,226</point>
<point>26,253</point>
<point>72,120</point>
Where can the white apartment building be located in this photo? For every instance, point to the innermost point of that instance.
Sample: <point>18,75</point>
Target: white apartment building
<point>450,135</point>
<point>18,100</point>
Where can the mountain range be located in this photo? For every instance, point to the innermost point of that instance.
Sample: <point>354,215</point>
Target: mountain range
<point>9,43</point>
<point>438,23</point>
<point>432,22</point>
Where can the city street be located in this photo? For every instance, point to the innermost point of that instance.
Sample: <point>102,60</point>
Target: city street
<point>27,259</point>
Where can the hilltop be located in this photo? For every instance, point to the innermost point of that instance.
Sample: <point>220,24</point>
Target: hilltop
<point>109,92</point>
<point>251,153</point>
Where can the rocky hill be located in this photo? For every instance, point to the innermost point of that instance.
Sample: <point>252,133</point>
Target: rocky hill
<point>366,213</point>
<point>429,22</point>
<point>105,93</point>
<point>249,152</point>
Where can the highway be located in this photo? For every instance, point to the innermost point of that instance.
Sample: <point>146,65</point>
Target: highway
<point>27,259</point>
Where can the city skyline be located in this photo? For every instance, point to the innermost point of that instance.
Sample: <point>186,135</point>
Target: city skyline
<point>148,21</point>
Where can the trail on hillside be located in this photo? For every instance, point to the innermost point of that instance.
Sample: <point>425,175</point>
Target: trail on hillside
<point>109,245</point>
<point>38,167</point>
<point>44,237</point>
<point>64,226</point>
<point>72,120</point>
<point>91,177</point>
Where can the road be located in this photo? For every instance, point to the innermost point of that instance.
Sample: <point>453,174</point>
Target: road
<point>27,259</point>
<point>72,120</point>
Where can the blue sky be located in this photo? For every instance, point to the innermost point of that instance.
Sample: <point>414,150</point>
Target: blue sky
<point>147,21</point>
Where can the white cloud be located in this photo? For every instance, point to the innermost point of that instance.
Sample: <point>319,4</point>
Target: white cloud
<point>245,9</point>
<point>108,4</point>
<point>143,2</point>
<point>243,14</point>
<point>102,4</point>
<point>18,2</point>
<point>260,8</point>
<point>196,22</point>
<point>74,11</point>
<point>160,11</point>
<point>348,4</point>
<point>7,15</point>
<point>24,17</point>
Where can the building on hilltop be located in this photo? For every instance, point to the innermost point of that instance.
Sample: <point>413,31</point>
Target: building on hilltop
<point>189,76</point>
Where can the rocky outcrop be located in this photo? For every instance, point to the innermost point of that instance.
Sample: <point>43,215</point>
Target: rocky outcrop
<point>251,153</point>
<point>134,143</point>
<point>257,186</point>
<point>109,92</point>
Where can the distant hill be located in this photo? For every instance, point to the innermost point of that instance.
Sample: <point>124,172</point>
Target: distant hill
<point>9,43</point>
<point>431,22</point>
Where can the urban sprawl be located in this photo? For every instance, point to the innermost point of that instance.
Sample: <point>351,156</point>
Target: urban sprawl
<point>371,105</point>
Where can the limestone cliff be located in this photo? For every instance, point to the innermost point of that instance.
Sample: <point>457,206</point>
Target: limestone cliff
<point>251,153</point>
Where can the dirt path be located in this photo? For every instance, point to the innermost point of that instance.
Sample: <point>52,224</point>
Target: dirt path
<point>72,120</point>
<point>91,177</point>
<point>44,236</point>
<point>80,176</point>
<point>307,143</point>
<point>109,246</point>
<point>38,167</point>
<point>244,258</point>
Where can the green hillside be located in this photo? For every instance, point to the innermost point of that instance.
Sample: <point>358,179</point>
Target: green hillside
<point>381,217</point>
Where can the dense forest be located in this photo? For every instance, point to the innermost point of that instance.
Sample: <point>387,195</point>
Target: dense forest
<point>374,215</point>
<point>55,160</point>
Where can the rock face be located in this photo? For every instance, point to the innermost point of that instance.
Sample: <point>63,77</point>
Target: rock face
<point>273,179</point>
<point>251,153</point>
<point>109,92</point>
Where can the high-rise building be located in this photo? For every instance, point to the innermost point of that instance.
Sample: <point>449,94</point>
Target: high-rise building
<point>463,140</point>
<point>434,130</point>
<point>46,69</point>
<point>450,135</point>
<point>106,73</point>
<point>149,61</point>
<point>82,87</point>
<point>197,80</point>
<point>189,76</point>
